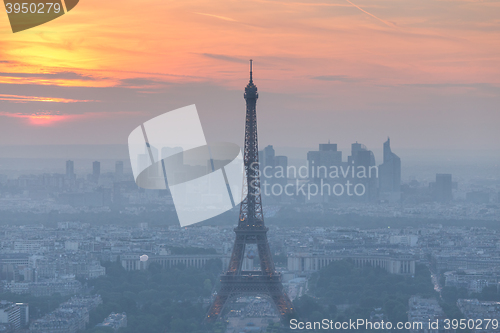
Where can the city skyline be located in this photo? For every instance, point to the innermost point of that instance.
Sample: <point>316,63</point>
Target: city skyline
<point>137,195</point>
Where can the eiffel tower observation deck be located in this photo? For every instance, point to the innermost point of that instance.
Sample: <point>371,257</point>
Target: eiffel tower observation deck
<point>236,282</point>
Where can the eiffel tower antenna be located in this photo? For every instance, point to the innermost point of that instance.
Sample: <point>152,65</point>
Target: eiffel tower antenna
<point>251,78</point>
<point>236,282</point>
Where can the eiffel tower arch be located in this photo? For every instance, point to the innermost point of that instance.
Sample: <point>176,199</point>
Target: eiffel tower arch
<point>236,282</point>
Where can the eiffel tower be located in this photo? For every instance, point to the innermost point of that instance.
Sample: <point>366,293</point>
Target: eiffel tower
<point>251,230</point>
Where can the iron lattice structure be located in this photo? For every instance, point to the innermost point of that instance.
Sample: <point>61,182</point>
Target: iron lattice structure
<point>251,230</point>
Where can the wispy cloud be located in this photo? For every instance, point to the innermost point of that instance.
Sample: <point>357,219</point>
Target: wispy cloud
<point>308,4</point>
<point>483,87</point>
<point>218,16</point>
<point>389,24</point>
<point>150,83</point>
<point>339,78</point>
<point>49,118</point>
<point>44,118</point>
<point>450,85</point>
<point>225,58</point>
<point>66,75</point>
<point>25,99</point>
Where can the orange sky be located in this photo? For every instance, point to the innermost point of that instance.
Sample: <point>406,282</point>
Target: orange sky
<point>342,60</point>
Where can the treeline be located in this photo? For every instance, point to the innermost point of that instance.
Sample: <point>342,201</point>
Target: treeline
<point>361,290</point>
<point>450,295</point>
<point>155,300</point>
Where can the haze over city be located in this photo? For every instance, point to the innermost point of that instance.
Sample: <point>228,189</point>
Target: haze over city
<point>367,188</point>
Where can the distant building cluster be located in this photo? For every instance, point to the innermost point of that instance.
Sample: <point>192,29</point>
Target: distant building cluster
<point>13,316</point>
<point>485,312</point>
<point>70,317</point>
<point>43,261</point>
<point>35,270</point>
<point>392,263</point>
<point>473,280</point>
<point>327,178</point>
<point>115,321</point>
<point>67,192</point>
<point>426,311</point>
<point>68,286</point>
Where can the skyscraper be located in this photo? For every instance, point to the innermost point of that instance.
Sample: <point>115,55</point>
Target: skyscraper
<point>328,172</point>
<point>70,170</point>
<point>326,156</point>
<point>96,171</point>
<point>119,170</point>
<point>443,187</point>
<point>10,313</point>
<point>360,155</point>
<point>390,174</point>
<point>266,156</point>
<point>273,171</point>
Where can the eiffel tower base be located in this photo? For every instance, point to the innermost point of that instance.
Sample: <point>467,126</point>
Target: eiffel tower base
<point>252,283</point>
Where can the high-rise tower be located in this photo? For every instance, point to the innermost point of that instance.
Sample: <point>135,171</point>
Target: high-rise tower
<point>70,170</point>
<point>390,171</point>
<point>96,171</point>
<point>251,230</point>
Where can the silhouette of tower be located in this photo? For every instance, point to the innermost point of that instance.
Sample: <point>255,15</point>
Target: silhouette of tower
<point>390,170</point>
<point>251,230</point>
<point>96,171</point>
<point>70,169</point>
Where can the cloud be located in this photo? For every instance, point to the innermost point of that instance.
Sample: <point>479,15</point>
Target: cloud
<point>142,82</point>
<point>450,85</point>
<point>481,87</point>
<point>338,78</point>
<point>389,24</point>
<point>48,118</point>
<point>24,99</point>
<point>308,4</point>
<point>66,75</point>
<point>225,58</point>
<point>218,16</point>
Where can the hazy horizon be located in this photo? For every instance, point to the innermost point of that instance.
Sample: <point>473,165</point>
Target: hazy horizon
<point>418,163</point>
